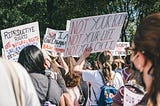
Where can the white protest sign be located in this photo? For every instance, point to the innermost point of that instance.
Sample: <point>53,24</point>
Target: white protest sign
<point>16,38</point>
<point>130,98</point>
<point>55,40</point>
<point>67,25</point>
<point>99,32</point>
<point>119,49</point>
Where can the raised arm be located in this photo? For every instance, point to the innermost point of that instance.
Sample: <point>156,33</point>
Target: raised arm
<point>63,63</point>
<point>79,64</point>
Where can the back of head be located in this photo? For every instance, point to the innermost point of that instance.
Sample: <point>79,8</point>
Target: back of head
<point>32,59</point>
<point>104,59</point>
<point>70,61</point>
<point>105,56</point>
<point>94,65</point>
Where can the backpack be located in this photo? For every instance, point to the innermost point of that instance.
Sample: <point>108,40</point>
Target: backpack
<point>107,93</point>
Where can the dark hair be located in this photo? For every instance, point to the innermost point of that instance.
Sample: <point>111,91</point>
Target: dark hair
<point>32,59</point>
<point>147,39</point>
<point>94,65</point>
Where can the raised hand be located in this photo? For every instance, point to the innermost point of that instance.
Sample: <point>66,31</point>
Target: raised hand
<point>87,52</point>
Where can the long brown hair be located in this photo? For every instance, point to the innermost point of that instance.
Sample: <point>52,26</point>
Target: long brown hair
<point>71,79</point>
<point>147,39</point>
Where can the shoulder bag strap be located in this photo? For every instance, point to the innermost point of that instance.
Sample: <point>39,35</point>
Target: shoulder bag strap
<point>49,83</point>
<point>80,89</point>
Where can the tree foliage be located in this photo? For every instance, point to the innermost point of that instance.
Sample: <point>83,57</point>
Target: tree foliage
<point>54,13</point>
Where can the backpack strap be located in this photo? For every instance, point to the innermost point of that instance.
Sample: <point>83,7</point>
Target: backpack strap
<point>95,95</point>
<point>104,81</point>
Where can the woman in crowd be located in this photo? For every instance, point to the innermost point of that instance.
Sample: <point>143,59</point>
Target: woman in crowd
<point>31,57</point>
<point>57,72</point>
<point>94,77</point>
<point>72,81</point>
<point>146,57</point>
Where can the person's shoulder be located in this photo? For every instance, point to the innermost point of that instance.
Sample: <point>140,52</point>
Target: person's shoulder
<point>12,65</point>
<point>38,75</point>
<point>91,73</point>
<point>118,74</point>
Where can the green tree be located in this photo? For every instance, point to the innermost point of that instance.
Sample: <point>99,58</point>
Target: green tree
<point>54,13</point>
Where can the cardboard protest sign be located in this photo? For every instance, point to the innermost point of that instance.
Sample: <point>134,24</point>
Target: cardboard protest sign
<point>119,49</point>
<point>16,38</point>
<point>55,40</point>
<point>99,32</point>
<point>130,98</point>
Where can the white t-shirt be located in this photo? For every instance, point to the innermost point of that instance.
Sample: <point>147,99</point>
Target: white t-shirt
<point>28,93</point>
<point>117,80</point>
<point>94,77</point>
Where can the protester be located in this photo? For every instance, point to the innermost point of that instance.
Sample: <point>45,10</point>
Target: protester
<point>51,65</point>
<point>31,57</point>
<point>94,65</point>
<point>72,81</point>
<point>58,63</point>
<point>134,84</point>
<point>117,64</point>
<point>16,86</point>
<point>57,73</point>
<point>146,57</point>
<point>127,70</point>
<point>94,76</point>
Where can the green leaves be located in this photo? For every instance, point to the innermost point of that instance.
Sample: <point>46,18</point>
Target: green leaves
<point>55,13</point>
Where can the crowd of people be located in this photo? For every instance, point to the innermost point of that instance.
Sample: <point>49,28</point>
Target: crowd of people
<point>39,76</point>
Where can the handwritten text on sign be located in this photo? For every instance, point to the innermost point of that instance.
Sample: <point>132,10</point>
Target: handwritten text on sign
<point>98,32</point>
<point>119,49</point>
<point>55,40</point>
<point>16,38</point>
<point>130,98</point>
